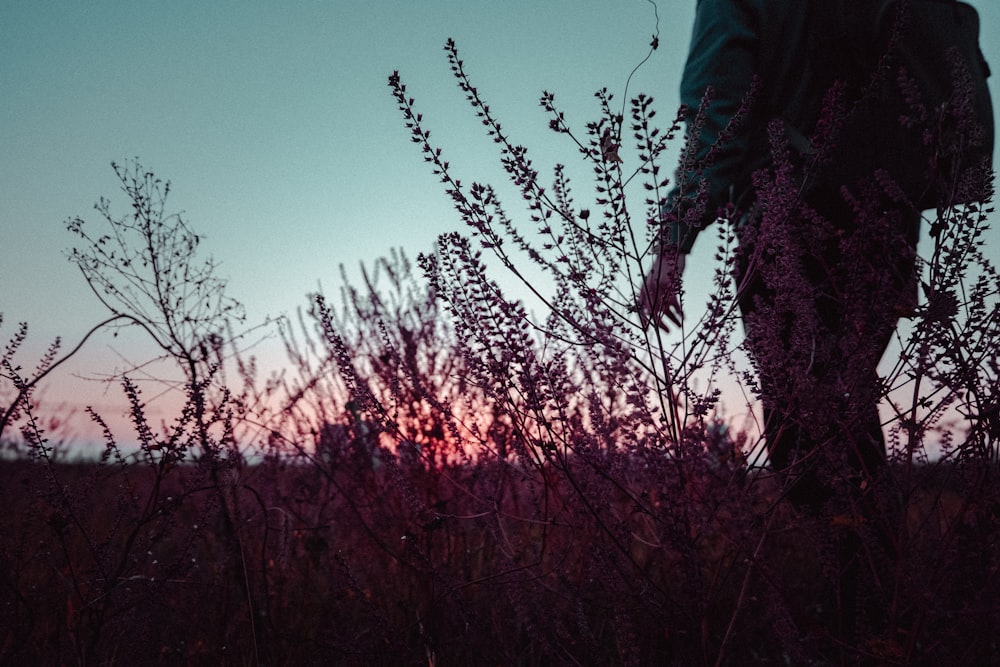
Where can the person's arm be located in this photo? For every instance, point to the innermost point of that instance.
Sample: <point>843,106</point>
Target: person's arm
<point>723,57</point>
<point>659,300</point>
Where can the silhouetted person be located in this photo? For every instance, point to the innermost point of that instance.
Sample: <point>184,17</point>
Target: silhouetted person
<point>821,279</point>
<point>822,276</point>
<point>817,320</point>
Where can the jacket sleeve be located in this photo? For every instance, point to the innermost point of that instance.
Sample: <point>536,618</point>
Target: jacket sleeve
<point>722,61</point>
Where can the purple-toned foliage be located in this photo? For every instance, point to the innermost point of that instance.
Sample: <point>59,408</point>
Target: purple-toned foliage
<point>441,477</point>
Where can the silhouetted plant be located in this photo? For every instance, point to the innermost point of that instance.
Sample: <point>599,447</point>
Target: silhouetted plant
<point>143,267</point>
<point>144,270</point>
<point>19,389</point>
<point>558,378</point>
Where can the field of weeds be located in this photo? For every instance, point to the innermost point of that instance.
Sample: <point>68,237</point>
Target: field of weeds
<point>283,563</point>
<point>440,477</point>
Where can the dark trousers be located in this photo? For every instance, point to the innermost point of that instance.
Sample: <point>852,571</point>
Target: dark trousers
<point>820,298</point>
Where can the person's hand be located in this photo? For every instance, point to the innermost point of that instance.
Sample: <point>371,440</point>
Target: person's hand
<point>658,297</point>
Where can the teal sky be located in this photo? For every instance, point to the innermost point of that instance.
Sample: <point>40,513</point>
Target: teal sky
<point>277,129</point>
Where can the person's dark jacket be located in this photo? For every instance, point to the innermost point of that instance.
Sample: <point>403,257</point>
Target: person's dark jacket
<point>793,50</point>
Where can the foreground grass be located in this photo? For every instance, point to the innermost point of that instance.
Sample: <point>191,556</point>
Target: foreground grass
<point>339,563</point>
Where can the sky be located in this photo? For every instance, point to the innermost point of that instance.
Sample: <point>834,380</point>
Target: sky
<point>276,127</point>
